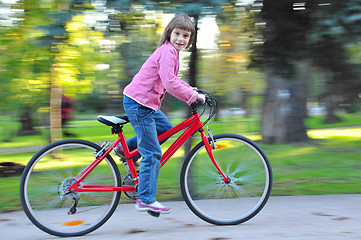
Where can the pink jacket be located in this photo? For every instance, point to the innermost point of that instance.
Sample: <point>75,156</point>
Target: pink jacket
<point>157,75</point>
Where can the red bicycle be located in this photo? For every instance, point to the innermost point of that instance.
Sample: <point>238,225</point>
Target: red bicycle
<point>72,187</point>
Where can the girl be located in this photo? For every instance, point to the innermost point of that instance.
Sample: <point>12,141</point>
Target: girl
<point>142,99</point>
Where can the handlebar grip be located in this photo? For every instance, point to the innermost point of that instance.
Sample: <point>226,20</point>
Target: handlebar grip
<point>197,103</point>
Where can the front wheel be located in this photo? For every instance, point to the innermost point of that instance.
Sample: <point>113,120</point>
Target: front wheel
<point>44,192</point>
<point>226,203</point>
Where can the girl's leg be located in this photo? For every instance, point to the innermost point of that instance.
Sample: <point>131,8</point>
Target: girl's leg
<point>162,124</point>
<point>142,120</point>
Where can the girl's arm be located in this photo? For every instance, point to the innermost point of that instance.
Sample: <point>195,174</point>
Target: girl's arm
<point>173,84</point>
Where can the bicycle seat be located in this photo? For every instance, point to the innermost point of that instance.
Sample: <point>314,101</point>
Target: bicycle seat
<point>113,120</point>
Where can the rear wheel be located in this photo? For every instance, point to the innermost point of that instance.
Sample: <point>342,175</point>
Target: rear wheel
<point>44,187</point>
<point>226,203</point>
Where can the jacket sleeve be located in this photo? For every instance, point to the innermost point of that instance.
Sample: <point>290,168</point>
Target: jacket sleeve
<point>168,61</point>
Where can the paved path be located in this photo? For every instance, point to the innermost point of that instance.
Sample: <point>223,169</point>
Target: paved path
<point>299,217</point>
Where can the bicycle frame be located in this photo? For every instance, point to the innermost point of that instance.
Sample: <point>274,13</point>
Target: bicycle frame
<point>192,125</point>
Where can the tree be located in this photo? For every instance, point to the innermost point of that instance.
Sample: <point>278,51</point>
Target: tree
<point>296,35</point>
<point>223,71</point>
<point>139,33</point>
<point>335,29</point>
<point>53,48</point>
<point>23,64</point>
<point>280,56</point>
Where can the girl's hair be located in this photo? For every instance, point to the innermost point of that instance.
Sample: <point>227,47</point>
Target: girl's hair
<point>180,21</point>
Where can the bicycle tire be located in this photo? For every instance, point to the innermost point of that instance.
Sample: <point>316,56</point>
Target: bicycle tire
<point>220,203</point>
<point>44,182</point>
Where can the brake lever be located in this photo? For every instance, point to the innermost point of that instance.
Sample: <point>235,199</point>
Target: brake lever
<point>209,100</point>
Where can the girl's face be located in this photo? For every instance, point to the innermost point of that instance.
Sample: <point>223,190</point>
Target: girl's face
<point>179,38</point>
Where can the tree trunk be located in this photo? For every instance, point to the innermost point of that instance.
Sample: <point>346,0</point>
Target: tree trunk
<point>192,76</point>
<point>303,74</point>
<point>55,114</point>
<point>194,56</point>
<point>329,99</point>
<point>27,125</point>
<point>244,103</point>
<point>282,120</point>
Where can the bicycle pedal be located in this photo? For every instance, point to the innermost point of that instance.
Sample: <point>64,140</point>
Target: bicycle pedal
<point>154,214</point>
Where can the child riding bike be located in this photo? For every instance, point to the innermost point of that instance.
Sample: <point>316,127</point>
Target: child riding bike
<point>142,100</point>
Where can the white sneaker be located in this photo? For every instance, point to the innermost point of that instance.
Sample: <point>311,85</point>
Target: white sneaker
<point>154,207</point>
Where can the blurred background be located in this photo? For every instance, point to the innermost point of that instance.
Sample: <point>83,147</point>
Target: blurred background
<point>285,73</point>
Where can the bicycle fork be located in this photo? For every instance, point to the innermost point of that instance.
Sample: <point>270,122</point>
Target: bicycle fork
<point>209,145</point>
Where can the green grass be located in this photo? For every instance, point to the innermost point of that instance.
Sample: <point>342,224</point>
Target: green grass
<point>94,131</point>
<point>350,119</point>
<point>329,164</point>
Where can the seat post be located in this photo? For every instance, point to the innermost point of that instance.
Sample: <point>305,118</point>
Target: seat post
<point>117,129</point>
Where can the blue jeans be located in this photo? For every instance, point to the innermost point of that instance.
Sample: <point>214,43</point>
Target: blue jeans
<point>147,124</point>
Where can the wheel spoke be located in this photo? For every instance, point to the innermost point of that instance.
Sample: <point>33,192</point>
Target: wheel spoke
<point>216,201</point>
<point>44,189</point>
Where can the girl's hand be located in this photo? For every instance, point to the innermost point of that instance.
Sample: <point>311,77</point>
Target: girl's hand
<point>201,97</point>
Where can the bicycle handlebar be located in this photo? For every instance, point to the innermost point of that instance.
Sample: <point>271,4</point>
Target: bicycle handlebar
<point>199,102</point>
<point>209,103</point>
